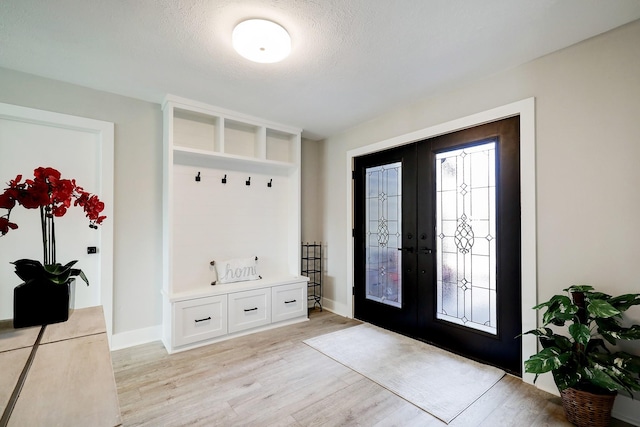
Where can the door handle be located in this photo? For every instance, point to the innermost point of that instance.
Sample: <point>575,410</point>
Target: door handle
<point>425,251</point>
<point>409,249</point>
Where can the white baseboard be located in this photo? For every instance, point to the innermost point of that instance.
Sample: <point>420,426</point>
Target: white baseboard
<point>337,308</point>
<point>627,410</point>
<point>136,337</point>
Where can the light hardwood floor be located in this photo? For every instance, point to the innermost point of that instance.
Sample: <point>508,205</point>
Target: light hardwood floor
<point>273,379</point>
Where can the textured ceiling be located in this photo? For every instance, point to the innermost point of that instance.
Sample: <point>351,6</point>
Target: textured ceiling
<point>351,60</point>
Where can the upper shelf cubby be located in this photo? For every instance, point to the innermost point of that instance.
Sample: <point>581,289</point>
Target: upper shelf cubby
<point>215,132</point>
<point>195,130</point>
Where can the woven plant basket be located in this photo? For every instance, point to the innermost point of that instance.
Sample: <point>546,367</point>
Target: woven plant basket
<point>586,409</point>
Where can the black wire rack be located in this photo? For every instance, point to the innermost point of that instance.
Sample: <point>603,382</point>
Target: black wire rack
<point>311,266</point>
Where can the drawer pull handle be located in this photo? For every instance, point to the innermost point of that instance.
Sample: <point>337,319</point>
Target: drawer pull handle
<point>289,302</point>
<point>202,320</point>
<point>250,309</point>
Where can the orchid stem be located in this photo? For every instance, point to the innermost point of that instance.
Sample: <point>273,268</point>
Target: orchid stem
<point>43,225</point>
<point>53,241</point>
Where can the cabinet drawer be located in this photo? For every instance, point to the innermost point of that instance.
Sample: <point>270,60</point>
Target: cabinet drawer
<point>249,309</point>
<point>200,319</point>
<point>289,301</point>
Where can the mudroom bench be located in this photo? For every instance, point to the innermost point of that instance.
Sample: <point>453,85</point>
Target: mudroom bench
<point>231,192</point>
<point>206,315</point>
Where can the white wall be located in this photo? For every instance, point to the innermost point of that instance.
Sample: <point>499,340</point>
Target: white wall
<point>311,182</point>
<point>587,154</point>
<point>137,187</point>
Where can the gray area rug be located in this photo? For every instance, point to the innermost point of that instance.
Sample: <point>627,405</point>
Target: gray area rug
<point>437,381</point>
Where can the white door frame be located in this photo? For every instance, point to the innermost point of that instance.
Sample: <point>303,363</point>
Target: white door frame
<point>105,134</point>
<point>526,110</point>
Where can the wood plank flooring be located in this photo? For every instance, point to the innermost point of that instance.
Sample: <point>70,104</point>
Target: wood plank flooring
<point>273,379</point>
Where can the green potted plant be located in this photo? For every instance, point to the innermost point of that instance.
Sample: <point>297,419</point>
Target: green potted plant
<point>44,297</point>
<point>587,372</point>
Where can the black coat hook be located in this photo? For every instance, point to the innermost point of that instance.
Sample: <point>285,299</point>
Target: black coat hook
<point>248,182</point>
<point>224,180</point>
<point>198,177</point>
<point>269,184</point>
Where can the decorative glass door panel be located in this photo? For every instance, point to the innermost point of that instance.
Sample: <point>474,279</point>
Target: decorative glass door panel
<point>466,236</point>
<point>383,233</point>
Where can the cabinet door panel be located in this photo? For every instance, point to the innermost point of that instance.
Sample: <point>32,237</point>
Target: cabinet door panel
<point>200,319</point>
<point>289,301</point>
<point>249,309</point>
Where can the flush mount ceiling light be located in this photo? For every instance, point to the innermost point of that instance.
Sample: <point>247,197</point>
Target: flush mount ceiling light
<point>260,40</point>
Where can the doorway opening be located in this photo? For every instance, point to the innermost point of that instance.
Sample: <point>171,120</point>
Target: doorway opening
<point>525,109</point>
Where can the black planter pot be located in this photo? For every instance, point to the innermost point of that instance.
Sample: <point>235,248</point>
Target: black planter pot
<point>41,302</point>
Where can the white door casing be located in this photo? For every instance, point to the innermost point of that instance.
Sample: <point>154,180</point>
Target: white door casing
<point>81,149</point>
<point>526,110</point>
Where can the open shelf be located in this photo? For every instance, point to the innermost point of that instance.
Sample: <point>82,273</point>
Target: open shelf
<point>198,126</point>
<point>205,158</point>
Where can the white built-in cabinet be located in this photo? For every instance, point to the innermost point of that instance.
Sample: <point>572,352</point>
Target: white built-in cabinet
<point>231,189</point>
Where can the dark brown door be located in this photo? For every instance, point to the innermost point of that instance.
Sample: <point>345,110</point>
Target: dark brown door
<point>385,284</point>
<point>457,245</point>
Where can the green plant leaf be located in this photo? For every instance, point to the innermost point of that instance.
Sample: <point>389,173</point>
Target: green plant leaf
<point>624,302</point>
<point>559,310</point>
<point>596,345</point>
<point>611,371</point>
<point>611,330</point>
<point>550,339</point>
<point>567,375</point>
<point>604,380</point>
<point>602,309</point>
<point>545,360</point>
<point>28,269</point>
<point>627,361</point>
<point>561,342</point>
<point>554,301</point>
<point>580,333</point>
<point>540,332</point>
<point>27,262</point>
<point>625,368</point>
<point>630,333</point>
<point>629,383</point>
<point>578,288</point>
<point>78,272</point>
<point>56,269</point>
<point>71,263</point>
<point>598,295</point>
<point>607,327</point>
<point>57,273</point>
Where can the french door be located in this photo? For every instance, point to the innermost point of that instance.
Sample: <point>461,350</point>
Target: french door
<point>437,241</point>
